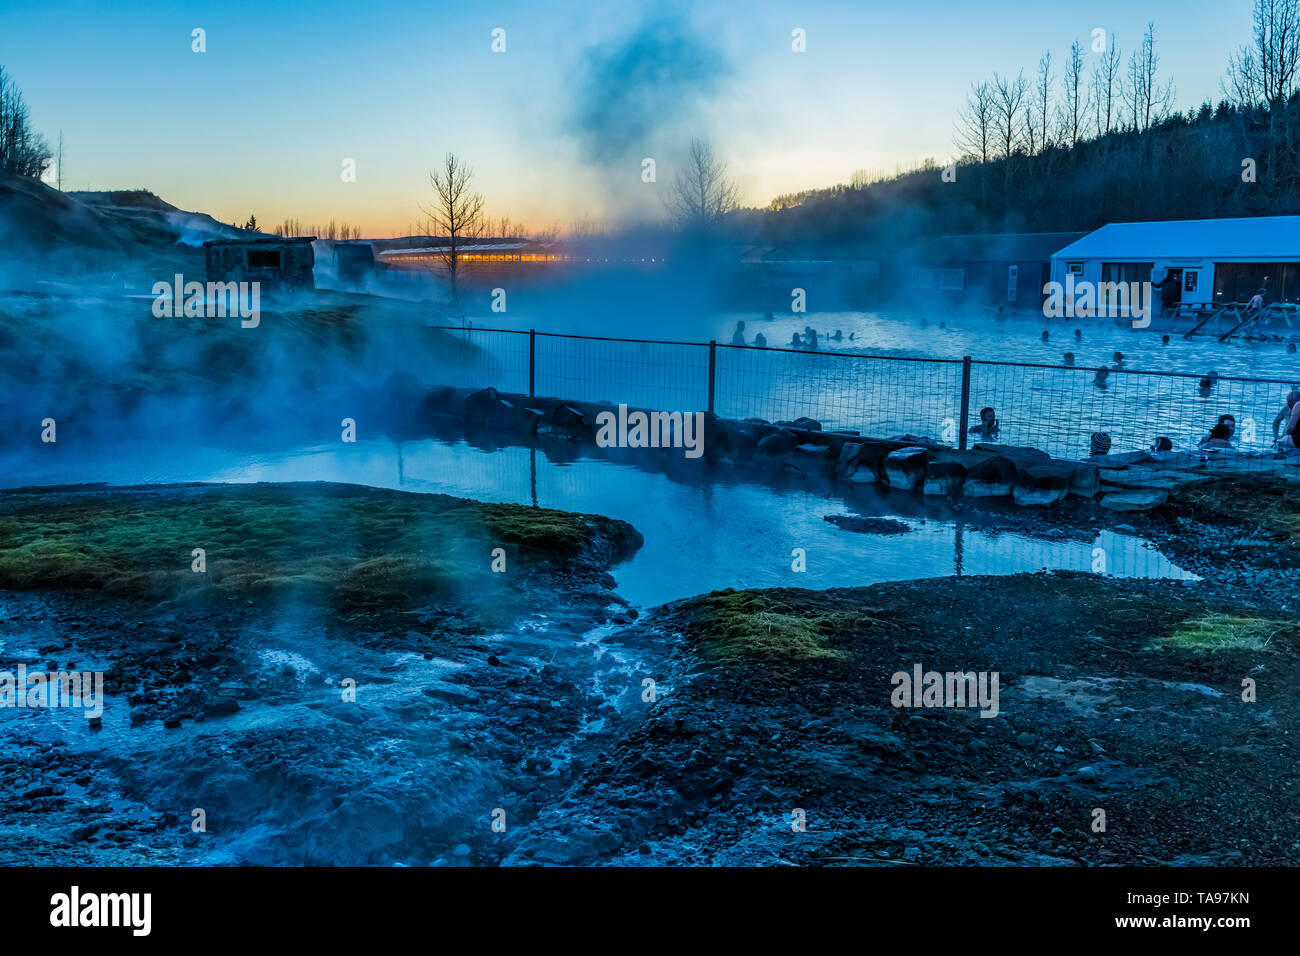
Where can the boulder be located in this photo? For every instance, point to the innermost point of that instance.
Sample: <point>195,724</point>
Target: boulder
<point>1042,484</point>
<point>477,406</point>
<point>806,424</point>
<point>778,443</point>
<point>944,478</point>
<point>569,422</point>
<point>1134,500</point>
<point>905,468</point>
<point>991,478</point>
<point>860,463</point>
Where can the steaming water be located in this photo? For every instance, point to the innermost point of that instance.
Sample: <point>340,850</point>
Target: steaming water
<point>1056,410</point>
<point>441,741</point>
<point>699,536</point>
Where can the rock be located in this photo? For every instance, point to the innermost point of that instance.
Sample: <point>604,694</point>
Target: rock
<point>905,468</point>
<point>944,478</point>
<point>1042,485</point>
<point>478,405</point>
<point>811,449</point>
<point>991,478</point>
<point>884,526</point>
<point>1134,500</point>
<point>807,424</point>
<point>221,707</point>
<point>778,443</point>
<point>569,422</point>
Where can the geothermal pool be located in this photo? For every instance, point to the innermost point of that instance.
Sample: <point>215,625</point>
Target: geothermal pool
<point>699,536</point>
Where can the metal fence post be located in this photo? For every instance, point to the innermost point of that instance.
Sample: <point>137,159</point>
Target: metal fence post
<point>713,359</point>
<point>532,362</point>
<point>965,403</point>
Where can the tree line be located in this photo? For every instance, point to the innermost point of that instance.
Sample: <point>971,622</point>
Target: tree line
<point>1097,140</point>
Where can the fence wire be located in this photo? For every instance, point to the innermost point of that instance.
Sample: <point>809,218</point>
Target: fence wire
<point>1054,408</point>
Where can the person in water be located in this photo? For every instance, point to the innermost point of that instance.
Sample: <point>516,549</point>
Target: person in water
<point>1291,431</point>
<point>738,337</point>
<point>795,341</point>
<point>1284,416</point>
<point>760,340</point>
<point>988,426</point>
<point>810,336</point>
<point>1221,435</point>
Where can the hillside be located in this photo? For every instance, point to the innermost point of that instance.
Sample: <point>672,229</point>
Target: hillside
<point>46,234</point>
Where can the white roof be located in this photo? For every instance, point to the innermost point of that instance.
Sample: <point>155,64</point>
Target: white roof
<point>1260,239</point>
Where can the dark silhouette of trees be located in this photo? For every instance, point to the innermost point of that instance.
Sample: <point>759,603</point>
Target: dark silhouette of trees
<point>22,150</point>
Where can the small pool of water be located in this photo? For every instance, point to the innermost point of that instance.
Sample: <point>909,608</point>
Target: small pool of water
<point>706,536</point>
<point>699,536</point>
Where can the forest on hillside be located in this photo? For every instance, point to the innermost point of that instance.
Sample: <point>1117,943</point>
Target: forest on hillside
<point>1069,150</point>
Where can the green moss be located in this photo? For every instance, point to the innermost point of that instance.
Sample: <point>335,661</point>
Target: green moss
<point>352,542</point>
<point>1227,632</point>
<point>1257,501</point>
<point>730,626</point>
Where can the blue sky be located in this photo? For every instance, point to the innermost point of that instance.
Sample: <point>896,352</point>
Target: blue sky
<point>262,121</point>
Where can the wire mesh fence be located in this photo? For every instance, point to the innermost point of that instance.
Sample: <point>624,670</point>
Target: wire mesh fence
<point>1056,408</point>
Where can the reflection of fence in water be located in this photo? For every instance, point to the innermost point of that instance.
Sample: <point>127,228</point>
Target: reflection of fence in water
<point>1055,408</point>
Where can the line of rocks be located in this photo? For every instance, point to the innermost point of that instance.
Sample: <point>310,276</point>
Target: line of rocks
<point>1028,476</point>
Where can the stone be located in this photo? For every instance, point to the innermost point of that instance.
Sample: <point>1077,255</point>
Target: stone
<point>991,478</point>
<point>569,422</point>
<point>1042,485</point>
<point>905,468</point>
<point>1134,500</point>
<point>778,443</point>
<point>806,424</point>
<point>944,478</point>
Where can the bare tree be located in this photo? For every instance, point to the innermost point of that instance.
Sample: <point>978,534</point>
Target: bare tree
<point>702,194</point>
<point>1043,97</point>
<point>1106,83</point>
<point>1149,102</point>
<point>1074,103</point>
<point>974,134</point>
<point>1008,99</point>
<point>22,150</point>
<point>1268,69</point>
<point>456,213</point>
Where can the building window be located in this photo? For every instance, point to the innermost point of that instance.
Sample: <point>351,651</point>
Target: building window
<point>1013,280</point>
<point>1239,281</point>
<point>1190,280</point>
<point>1074,268</point>
<point>952,279</point>
<point>263,258</point>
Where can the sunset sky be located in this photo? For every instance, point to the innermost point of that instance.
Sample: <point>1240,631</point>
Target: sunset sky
<point>557,125</point>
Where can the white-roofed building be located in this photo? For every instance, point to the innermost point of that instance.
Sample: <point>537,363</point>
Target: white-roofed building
<point>1212,261</point>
